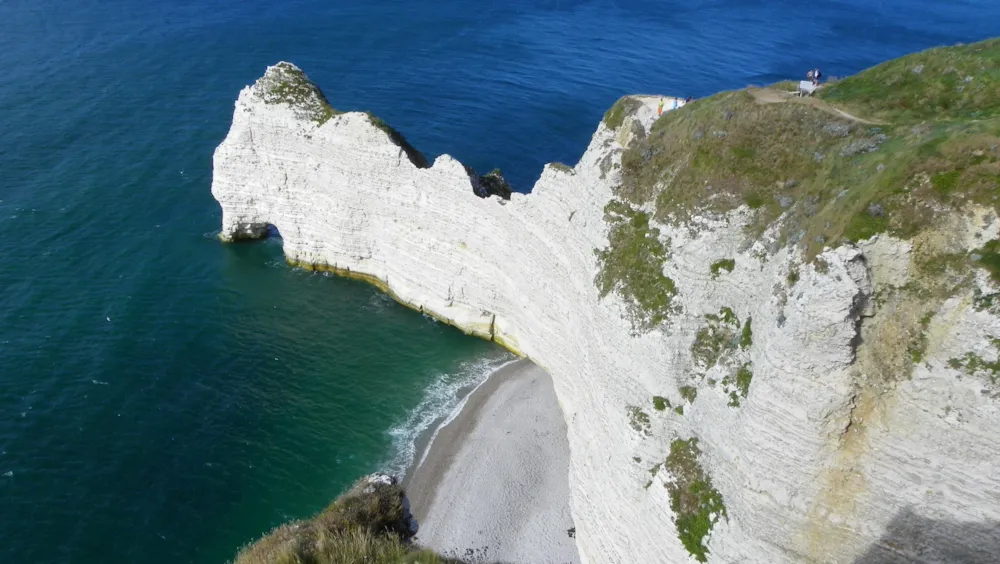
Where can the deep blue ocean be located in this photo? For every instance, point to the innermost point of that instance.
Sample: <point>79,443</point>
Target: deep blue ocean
<point>167,398</point>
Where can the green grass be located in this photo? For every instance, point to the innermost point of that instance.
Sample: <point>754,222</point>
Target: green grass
<point>696,504</point>
<point>830,179</point>
<point>952,83</point>
<point>632,266</point>
<point>863,226</point>
<point>946,182</point>
<point>660,403</point>
<point>616,114</point>
<point>724,264</point>
<point>365,525</point>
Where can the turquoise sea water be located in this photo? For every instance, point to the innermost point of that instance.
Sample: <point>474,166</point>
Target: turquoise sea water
<point>166,398</point>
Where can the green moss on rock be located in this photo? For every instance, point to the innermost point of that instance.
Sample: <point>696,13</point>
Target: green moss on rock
<point>724,264</point>
<point>738,385</point>
<point>632,266</point>
<point>689,393</point>
<point>638,419</point>
<point>746,335</point>
<point>974,365</point>
<point>715,339</point>
<point>696,504</point>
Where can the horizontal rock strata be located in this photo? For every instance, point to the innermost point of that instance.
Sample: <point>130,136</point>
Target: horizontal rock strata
<point>824,459</point>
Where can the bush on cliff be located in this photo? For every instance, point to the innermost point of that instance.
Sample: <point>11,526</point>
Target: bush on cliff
<point>369,524</point>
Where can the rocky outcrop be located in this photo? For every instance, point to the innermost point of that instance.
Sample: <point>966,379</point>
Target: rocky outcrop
<point>784,389</point>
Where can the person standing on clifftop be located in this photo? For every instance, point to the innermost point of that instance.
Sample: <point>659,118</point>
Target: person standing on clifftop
<point>659,109</point>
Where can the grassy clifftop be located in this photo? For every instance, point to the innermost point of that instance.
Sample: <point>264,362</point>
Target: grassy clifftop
<point>887,150</point>
<point>368,524</point>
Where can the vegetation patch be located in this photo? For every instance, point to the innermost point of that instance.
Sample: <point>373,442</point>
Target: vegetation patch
<point>616,114</point>
<point>988,257</point>
<point>793,277</point>
<point>724,264</point>
<point>974,365</point>
<point>715,339</point>
<point>638,419</point>
<point>885,151</point>
<point>416,157</point>
<point>285,83</point>
<point>366,525</point>
<point>863,225</point>
<point>562,167</point>
<point>696,504</point>
<point>660,403</point>
<point>942,83</point>
<point>918,345</point>
<point>632,266</point>
<point>738,385</point>
<point>746,335</point>
<point>689,393</point>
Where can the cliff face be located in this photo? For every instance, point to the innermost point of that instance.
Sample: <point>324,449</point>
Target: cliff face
<point>777,411</point>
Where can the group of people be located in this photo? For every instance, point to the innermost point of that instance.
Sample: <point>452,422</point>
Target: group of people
<point>659,108</point>
<point>813,76</point>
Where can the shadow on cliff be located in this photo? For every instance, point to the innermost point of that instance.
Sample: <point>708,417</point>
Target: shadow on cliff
<point>912,539</point>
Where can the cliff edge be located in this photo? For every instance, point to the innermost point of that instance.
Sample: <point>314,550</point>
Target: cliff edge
<point>771,322</point>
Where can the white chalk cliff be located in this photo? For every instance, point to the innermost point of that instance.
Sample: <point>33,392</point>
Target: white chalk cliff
<point>822,461</point>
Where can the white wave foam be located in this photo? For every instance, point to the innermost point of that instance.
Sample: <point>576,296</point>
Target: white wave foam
<point>440,400</point>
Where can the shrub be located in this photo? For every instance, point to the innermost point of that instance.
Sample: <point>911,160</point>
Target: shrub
<point>368,524</point>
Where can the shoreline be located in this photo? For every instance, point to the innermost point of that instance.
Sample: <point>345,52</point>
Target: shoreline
<point>492,483</point>
<point>448,428</point>
<point>425,439</point>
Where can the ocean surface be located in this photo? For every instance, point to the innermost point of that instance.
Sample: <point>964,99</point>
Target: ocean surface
<point>167,398</point>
